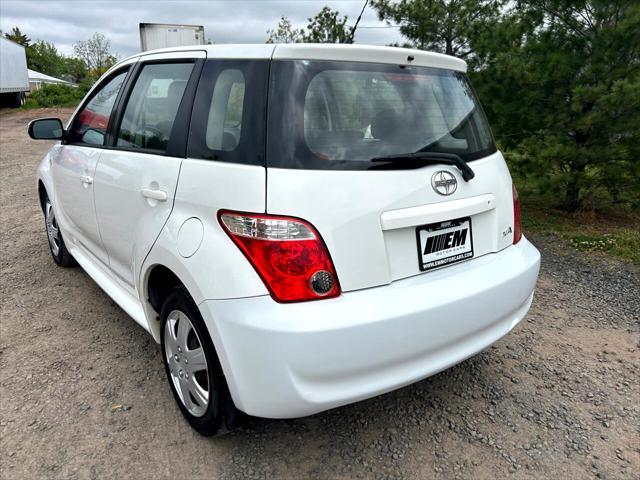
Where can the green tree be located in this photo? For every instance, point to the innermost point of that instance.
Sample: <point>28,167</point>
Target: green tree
<point>559,79</point>
<point>44,57</point>
<point>284,32</point>
<point>75,70</point>
<point>445,26</point>
<point>561,83</point>
<point>327,27</point>
<point>15,35</point>
<point>96,53</point>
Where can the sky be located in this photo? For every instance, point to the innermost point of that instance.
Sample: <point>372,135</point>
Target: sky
<point>225,21</point>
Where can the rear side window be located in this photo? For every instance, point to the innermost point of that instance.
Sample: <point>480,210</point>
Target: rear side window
<point>224,124</point>
<point>152,106</point>
<point>339,115</point>
<point>229,112</point>
<point>91,123</point>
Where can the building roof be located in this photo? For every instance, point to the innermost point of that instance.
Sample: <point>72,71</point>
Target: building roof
<point>41,77</point>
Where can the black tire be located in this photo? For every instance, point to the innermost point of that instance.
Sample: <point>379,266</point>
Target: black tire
<point>58,249</point>
<point>17,99</point>
<point>208,423</point>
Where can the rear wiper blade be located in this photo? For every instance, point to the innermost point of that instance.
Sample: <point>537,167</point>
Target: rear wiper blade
<point>431,157</point>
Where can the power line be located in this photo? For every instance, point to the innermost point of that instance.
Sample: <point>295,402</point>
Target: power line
<point>378,26</point>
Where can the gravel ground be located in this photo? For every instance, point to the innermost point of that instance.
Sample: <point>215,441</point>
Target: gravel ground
<point>83,394</point>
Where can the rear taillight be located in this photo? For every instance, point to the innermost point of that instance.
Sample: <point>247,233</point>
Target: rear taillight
<point>288,254</point>
<point>517,216</point>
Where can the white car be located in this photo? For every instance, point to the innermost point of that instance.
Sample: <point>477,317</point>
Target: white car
<point>299,226</point>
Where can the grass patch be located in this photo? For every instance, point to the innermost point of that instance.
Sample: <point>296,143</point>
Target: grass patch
<point>623,244</point>
<point>614,232</point>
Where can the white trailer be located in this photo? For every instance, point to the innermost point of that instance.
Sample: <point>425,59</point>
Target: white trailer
<point>162,35</point>
<point>14,79</point>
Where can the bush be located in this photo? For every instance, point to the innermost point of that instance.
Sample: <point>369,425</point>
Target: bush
<point>56,95</point>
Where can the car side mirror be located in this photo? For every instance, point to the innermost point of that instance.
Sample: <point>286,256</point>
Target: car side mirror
<point>46,129</point>
<point>93,136</point>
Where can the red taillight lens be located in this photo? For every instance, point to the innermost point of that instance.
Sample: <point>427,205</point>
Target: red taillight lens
<point>517,217</point>
<point>288,254</point>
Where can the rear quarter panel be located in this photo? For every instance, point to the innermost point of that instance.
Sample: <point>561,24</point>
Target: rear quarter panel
<point>217,269</point>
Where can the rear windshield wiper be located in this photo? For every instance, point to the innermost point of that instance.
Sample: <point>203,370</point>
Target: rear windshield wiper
<point>431,157</point>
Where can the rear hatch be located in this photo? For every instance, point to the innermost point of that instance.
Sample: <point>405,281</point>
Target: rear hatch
<point>341,154</point>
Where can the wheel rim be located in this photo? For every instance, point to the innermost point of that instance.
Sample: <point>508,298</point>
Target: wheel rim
<point>52,228</point>
<point>187,363</point>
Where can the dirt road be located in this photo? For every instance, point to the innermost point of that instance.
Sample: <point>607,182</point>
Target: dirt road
<point>83,393</point>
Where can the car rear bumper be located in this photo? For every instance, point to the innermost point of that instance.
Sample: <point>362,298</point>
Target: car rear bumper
<point>292,360</point>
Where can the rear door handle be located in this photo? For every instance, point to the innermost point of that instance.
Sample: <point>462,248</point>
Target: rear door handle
<point>86,179</point>
<point>159,195</point>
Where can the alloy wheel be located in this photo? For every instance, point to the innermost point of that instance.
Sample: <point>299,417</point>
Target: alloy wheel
<point>187,363</point>
<point>52,228</point>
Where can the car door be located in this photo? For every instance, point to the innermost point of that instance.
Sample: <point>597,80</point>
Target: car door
<point>136,177</point>
<point>73,168</point>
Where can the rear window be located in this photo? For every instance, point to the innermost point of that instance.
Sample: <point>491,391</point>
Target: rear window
<point>338,115</point>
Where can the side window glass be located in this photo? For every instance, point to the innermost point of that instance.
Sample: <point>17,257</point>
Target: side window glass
<point>91,123</point>
<point>224,124</point>
<point>152,106</point>
<point>229,111</point>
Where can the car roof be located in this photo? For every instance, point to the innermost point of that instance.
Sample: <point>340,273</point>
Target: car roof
<point>367,54</point>
<point>318,51</point>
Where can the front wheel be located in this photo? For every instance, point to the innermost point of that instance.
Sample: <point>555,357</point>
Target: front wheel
<point>57,247</point>
<point>191,363</point>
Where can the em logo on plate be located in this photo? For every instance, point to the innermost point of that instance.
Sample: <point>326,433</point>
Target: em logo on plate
<point>444,182</point>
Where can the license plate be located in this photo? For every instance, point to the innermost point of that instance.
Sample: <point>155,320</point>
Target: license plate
<point>444,243</point>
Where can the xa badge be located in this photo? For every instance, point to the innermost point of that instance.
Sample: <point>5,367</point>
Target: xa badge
<point>444,182</point>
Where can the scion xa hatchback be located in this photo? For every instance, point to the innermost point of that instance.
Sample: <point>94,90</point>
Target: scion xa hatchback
<point>298,226</point>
